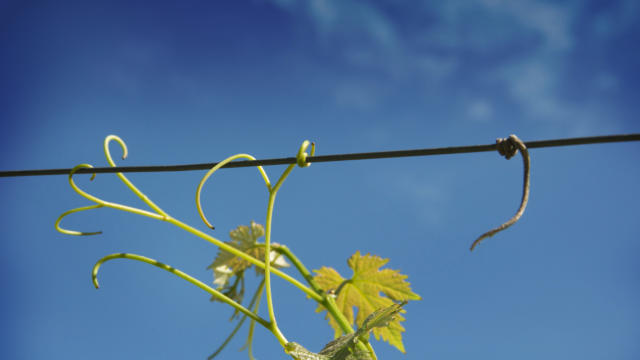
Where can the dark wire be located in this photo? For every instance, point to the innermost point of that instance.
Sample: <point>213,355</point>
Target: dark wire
<point>328,158</point>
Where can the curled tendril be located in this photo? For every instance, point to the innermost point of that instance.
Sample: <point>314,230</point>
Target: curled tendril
<point>124,179</point>
<point>107,140</point>
<point>301,158</point>
<point>107,203</point>
<point>73,232</point>
<point>80,191</point>
<point>214,169</point>
<point>223,298</point>
<point>159,213</point>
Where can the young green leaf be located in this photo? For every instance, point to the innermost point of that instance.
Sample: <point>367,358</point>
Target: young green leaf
<point>226,265</point>
<point>243,238</point>
<point>343,348</point>
<point>298,352</point>
<point>365,291</point>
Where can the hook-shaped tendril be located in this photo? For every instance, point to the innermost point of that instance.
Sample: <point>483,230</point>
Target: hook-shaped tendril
<point>124,179</point>
<point>508,148</point>
<point>301,157</point>
<point>214,169</point>
<point>73,232</point>
<point>107,203</point>
<point>223,298</point>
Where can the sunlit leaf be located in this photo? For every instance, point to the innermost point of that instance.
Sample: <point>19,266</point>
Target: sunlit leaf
<point>369,288</point>
<point>245,239</point>
<point>226,266</point>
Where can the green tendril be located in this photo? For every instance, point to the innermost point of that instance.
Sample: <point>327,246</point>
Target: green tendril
<point>107,203</point>
<point>73,232</point>
<point>254,299</point>
<point>249,343</point>
<point>223,298</point>
<point>214,169</point>
<point>124,179</point>
<point>301,157</point>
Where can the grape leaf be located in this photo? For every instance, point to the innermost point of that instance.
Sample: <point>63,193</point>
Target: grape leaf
<point>369,288</point>
<point>343,348</point>
<point>298,352</point>
<point>226,265</point>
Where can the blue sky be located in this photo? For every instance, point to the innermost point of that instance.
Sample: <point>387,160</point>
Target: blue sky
<point>197,82</point>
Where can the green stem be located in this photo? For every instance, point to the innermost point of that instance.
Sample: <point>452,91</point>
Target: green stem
<point>223,298</point>
<point>267,254</point>
<point>306,274</point>
<point>327,301</point>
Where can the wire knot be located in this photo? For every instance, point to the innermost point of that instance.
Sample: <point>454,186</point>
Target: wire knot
<point>507,147</point>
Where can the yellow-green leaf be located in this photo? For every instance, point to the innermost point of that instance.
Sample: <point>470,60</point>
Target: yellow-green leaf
<point>244,238</point>
<point>227,266</point>
<point>370,288</point>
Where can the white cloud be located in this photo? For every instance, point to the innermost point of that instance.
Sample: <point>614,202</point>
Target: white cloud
<point>480,110</point>
<point>533,85</point>
<point>355,20</point>
<point>428,195</point>
<point>551,20</point>
<point>356,95</point>
<point>435,50</point>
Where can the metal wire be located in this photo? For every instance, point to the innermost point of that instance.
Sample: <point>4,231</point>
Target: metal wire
<point>330,158</point>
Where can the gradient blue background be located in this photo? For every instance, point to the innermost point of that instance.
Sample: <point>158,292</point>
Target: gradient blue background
<point>196,81</point>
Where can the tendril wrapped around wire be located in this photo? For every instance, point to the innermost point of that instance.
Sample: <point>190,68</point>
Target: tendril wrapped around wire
<point>508,148</point>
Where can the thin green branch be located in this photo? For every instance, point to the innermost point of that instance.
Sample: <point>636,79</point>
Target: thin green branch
<point>252,326</point>
<point>255,298</point>
<point>223,298</point>
<point>273,191</point>
<point>267,244</point>
<point>306,274</point>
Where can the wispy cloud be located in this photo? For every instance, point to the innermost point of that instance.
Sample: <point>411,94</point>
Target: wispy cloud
<point>480,110</point>
<point>522,48</point>
<point>429,196</point>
